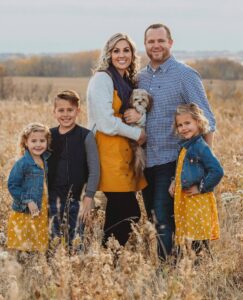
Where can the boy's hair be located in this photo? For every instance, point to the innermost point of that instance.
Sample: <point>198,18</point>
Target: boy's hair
<point>69,95</point>
<point>32,127</point>
<point>196,113</point>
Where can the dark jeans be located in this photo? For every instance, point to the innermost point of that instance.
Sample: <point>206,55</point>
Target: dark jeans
<point>157,198</point>
<point>121,210</point>
<point>63,215</point>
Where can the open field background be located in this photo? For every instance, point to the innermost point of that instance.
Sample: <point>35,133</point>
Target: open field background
<point>135,273</point>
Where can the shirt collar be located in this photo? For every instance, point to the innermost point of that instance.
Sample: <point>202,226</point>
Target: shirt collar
<point>164,66</point>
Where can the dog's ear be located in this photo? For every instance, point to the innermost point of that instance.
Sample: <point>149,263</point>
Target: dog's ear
<point>150,102</point>
<point>130,103</point>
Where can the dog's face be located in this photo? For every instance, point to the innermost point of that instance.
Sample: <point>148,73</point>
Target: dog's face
<point>141,100</point>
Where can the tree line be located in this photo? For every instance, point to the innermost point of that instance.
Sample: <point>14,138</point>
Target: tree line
<point>219,68</point>
<point>62,65</point>
<point>81,65</point>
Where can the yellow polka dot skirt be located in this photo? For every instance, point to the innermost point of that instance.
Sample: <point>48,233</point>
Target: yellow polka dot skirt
<point>196,216</point>
<point>27,233</point>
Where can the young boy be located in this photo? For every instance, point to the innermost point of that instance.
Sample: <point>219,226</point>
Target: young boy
<point>73,163</point>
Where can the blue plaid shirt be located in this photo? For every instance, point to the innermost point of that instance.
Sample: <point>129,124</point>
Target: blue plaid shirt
<point>173,83</point>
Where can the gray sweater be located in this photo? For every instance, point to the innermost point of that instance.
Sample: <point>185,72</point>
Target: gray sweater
<point>100,112</point>
<point>93,165</point>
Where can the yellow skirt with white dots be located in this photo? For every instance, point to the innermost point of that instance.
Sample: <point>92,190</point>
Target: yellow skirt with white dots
<point>196,216</point>
<point>28,233</point>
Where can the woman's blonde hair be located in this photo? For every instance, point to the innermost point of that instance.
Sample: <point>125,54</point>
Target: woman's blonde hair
<point>32,127</point>
<point>197,114</point>
<point>105,58</point>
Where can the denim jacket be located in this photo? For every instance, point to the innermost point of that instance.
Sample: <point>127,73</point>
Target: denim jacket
<point>200,166</point>
<point>26,182</point>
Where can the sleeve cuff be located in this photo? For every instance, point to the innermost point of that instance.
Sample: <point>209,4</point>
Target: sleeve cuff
<point>25,201</point>
<point>201,186</point>
<point>90,194</point>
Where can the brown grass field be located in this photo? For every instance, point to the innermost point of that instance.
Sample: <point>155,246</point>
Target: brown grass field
<point>133,272</point>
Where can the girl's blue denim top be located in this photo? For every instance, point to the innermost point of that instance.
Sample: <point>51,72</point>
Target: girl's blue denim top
<point>26,182</point>
<point>200,166</point>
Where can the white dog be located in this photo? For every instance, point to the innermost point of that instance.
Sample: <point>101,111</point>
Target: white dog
<point>141,100</point>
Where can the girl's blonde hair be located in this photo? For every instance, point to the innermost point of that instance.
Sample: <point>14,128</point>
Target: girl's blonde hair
<point>105,58</point>
<point>197,114</point>
<point>32,127</point>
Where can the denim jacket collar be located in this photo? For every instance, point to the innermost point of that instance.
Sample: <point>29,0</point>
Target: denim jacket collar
<point>186,143</point>
<point>30,159</point>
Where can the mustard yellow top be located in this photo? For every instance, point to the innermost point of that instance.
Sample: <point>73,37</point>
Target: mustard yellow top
<point>26,233</point>
<point>196,216</point>
<point>115,153</point>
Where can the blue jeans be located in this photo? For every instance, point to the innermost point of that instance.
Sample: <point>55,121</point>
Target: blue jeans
<point>157,198</point>
<point>64,217</point>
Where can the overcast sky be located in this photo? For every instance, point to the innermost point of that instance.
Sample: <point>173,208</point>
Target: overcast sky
<point>43,26</point>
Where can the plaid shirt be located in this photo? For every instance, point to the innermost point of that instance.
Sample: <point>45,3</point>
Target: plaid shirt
<point>173,83</point>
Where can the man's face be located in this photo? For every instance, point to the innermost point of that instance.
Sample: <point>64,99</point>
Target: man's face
<point>157,45</point>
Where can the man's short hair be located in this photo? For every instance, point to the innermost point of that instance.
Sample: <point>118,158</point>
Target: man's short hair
<point>156,26</point>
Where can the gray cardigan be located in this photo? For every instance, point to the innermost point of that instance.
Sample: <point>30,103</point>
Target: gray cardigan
<point>100,112</point>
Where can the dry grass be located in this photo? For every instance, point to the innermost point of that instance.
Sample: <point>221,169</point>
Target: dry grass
<point>133,272</point>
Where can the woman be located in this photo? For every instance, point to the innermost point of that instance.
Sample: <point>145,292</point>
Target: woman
<point>108,96</point>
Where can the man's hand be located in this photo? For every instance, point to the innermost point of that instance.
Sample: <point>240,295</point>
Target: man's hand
<point>193,190</point>
<point>87,205</point>
<point>172,188</point>
<point>132,116</point>
<point>142,138</point>
<point>34,210</point>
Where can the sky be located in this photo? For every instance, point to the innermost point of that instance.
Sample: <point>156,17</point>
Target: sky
<point>57,26</point>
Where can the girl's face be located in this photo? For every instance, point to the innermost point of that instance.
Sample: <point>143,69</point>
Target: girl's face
<point>36,143</point>
<point>121,56</point>
<point>187,127</point>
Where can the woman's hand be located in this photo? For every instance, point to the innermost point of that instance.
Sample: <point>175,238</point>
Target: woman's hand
<point>132,116</point>
<point>142,138</point>
<point>172,188</point>
<point>87,205</point>
<point>34,210</point>
<point>193,190</point>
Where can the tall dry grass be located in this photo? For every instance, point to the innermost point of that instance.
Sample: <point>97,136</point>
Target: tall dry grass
<point>133,272</point>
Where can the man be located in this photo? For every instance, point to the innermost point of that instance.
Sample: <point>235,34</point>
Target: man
<point>170,83</point>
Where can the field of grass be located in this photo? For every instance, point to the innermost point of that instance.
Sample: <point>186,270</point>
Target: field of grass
<point>133,272</point>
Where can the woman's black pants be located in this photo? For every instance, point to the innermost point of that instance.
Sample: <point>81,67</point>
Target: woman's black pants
<point>122,209</point>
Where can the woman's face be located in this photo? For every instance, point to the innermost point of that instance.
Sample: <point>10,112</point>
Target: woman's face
<point>121,56</point>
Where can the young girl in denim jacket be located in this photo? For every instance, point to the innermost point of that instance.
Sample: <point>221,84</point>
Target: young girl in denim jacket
<point>28,221</point>
<point>198,172</point>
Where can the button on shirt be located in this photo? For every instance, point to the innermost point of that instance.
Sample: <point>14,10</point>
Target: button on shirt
<point>172,84</point>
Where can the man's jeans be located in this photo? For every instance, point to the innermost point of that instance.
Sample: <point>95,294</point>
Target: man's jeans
<point>157,198</point>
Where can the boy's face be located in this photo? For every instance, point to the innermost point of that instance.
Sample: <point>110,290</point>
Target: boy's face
<point>66,114</point>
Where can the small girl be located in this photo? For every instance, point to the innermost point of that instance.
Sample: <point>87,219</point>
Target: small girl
<point>28,222</point>
<point>198,172</point>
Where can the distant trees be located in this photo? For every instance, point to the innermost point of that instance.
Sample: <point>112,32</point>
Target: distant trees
<point>65,65</point>
<point>219,68</point>
<point>81,65</point>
